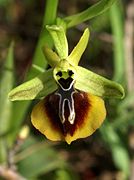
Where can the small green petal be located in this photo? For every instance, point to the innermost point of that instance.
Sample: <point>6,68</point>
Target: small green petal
<point>38,87</point>
<point>78,50</point>
<point>60,40</point>
<point>51,56</point>
<point>90,82</point>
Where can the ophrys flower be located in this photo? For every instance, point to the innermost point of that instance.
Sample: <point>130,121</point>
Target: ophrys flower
<point>71,106</point>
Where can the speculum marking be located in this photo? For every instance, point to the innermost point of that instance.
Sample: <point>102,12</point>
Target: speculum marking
<point>66,95</point>
<point>81,106</point>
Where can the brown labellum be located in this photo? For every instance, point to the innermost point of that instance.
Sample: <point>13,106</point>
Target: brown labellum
<point>81,108</point>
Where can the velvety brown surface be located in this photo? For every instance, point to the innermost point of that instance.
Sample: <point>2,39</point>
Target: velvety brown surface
<point>82,106</point>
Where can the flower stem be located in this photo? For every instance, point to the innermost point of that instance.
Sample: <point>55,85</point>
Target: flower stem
<point>49,18</point>
<point>116,20</point>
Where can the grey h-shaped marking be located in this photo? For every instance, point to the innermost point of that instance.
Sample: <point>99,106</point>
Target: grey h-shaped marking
<point>66,95</point>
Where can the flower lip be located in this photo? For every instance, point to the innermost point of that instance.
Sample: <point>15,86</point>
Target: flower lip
<point>81,112</point>
<point>45,117</point>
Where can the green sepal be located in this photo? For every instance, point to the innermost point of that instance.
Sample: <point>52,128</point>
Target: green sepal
<point>38,87</point>
<point>78,50</point>
<point>95,84</point>
<point>60,40</point>
<point>51,56</point>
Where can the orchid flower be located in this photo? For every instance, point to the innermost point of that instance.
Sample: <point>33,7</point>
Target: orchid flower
<point>71,104</point>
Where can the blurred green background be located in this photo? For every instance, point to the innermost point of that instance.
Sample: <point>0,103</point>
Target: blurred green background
<point>24,152</point>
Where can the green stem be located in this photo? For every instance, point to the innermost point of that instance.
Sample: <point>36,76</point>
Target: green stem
<point>44,38</point>
<point>3,151</point>
<point>118,41</point>
<point>50,12</point>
